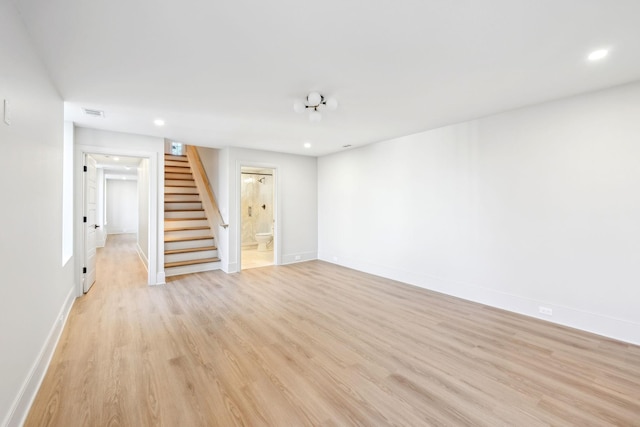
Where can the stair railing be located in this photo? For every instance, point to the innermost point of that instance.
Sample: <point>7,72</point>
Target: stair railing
<point>214,217</point>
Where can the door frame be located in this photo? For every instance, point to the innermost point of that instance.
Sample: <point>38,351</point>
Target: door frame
<point>78,207</point>
<point>276,209</point>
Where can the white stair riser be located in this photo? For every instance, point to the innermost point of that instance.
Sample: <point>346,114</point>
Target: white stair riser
<point>188,256</point>
<point>179,206</point>
<point>181,198</point>
<point>188,233</point>
<point>170,225</point>
<point>185,214</point>
<point>196,268</point>
<point>179,183</point>
<point>169,162</point>
<point>188,244</point>
<point>179,176</point>
<point>172,157</point>
<point>181,190</point>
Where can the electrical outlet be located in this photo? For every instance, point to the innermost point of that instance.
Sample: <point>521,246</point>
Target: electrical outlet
<point>297,257</point>
<point>335,259</point>
<point>545,310</point>
<point>61,319</point>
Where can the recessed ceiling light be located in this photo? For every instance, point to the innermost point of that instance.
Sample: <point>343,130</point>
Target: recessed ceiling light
<point>307,145</point>
<point>158,122</point>
<point>116,159</point>
<point>597,55</point>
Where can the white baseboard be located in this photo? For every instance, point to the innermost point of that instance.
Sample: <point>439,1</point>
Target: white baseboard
<point>619,329</point>
<point>299,257</point>
<point>143,257</point>
<point>24,400</point>
<point>123,231</point>
<point>229,268</point>
<point>161,278</point>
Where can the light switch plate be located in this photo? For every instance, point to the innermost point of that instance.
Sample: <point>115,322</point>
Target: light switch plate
<point>7,113</point>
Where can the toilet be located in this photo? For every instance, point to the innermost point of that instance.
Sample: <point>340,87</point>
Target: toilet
<point>263,240</point>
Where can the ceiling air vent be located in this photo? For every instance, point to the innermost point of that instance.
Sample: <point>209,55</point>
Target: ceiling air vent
<point>94,113</point>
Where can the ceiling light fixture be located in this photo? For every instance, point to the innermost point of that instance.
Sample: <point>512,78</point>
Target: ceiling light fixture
<point>314,101</point>
<point>158,122</point>
<point>307,145</point>
<point>597,55</point>
<point>117,159</point>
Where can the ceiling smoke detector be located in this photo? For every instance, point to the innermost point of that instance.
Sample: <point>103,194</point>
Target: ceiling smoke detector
<point>94,113</point>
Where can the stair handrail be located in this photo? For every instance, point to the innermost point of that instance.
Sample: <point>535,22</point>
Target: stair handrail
<point>214,217</point>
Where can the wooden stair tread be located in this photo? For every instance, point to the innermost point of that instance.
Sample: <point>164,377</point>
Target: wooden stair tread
<point>183,210</point>
<point>182,201</point>
<point>190,262</point>
<point>180,184</point>
<point>182,194</point>
<point>187,219</point>
<point>182,178</point>
<point>200,227</point>
<point>184,239</point>
<point>187,250</point>
<point>178,169</point>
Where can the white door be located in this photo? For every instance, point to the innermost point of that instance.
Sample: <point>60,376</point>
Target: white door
<point>89,223</point>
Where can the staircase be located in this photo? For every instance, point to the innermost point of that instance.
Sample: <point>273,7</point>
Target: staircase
<point>189,245</point>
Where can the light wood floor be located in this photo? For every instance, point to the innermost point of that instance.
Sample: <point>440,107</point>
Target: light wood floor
<point>317,344</point>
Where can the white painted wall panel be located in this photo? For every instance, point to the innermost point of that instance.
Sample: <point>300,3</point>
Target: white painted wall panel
<point>538,206</point>
<point>36,289</point>
<point>296,208</point>
<point>122,206</point>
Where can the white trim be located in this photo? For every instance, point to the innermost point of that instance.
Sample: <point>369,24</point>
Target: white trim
<point>276,213</point>
<point>304,256</point>
<point>22,404</point>
<point>610,327</point>
<point>162,279</point>
<point>231,267</point>
<point>156,257</point>
<point>142,256</point>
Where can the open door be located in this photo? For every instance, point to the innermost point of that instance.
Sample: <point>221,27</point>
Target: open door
<point>90,225</point>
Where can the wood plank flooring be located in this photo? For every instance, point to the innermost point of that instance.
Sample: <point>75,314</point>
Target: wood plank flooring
<point>319,345</point>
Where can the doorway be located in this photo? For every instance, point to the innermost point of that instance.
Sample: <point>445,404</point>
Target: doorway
<point>116,199</point>
<point>257,217</point>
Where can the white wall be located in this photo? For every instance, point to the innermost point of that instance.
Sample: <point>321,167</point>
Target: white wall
<point>36,289</point>
<point>209,158</point>
<point>538,206</point>
<point>143,211</point>
<point>296,207</point>
<point>122,206</point>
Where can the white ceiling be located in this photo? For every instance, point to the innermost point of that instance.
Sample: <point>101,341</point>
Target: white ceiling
<point>226,73</point>
<point>119,165</point>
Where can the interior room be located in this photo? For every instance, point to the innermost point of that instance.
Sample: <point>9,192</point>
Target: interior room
<point>258,219</point>
<point>336,213</point>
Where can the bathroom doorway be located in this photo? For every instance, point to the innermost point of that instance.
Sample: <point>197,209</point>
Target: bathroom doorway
<point>257,217</point>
